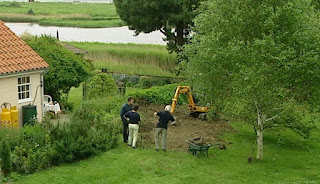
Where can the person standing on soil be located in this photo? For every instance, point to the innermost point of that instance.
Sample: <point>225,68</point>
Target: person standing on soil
<point>126,108</point>
<point>161,128</point>
<point>133,117</point>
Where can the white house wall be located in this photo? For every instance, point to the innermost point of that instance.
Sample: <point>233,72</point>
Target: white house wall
<point>9,92</point>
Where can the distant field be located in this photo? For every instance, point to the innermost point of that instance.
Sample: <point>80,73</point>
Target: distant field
<point>130,58</point>
<point>61,14</point>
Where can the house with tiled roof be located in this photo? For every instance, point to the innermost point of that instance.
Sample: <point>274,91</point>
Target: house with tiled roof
<point>21,73</point>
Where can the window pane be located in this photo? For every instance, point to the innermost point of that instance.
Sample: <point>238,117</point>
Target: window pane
<point>19,80</point>
<point>19,88</point>
<point>20,96</point>
<point>28,79</point>
<point>27,87</point>
<point>23,88</point>
<point>23,80</point>
<point>23,95</point>
<point>27,95</point>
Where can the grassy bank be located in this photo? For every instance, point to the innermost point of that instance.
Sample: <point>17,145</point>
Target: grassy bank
<point>290,160</point>
<point>61,14</point>
<point>130,58</point>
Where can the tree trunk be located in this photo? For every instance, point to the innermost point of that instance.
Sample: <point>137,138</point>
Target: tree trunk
<point>261,120</point>
<point>180,36</point>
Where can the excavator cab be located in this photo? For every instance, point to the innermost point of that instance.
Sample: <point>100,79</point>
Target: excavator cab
<point>195,110</point>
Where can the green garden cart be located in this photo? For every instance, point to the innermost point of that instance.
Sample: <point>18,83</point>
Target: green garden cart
<point>198,149</point>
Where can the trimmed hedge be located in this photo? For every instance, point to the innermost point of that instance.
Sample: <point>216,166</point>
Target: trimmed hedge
<point>158,95</point>
<point>148,82</point>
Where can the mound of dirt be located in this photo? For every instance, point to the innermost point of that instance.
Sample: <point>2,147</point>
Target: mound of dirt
<point>198,141</point>
<point>186,128</point>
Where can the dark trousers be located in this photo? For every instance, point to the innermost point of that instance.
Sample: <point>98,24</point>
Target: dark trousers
<point>125,132</point>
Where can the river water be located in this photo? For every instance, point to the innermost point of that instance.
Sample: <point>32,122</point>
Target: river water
<point>105,35</point>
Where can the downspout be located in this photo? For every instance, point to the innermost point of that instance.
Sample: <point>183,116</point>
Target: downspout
<point>42,92</point>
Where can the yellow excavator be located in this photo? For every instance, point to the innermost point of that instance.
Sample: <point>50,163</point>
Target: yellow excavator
<point>195,110</point>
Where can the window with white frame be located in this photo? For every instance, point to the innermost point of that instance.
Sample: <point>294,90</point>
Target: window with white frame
<point>24,88</point>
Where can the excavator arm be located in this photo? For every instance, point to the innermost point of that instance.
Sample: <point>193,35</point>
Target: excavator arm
<point>175,99</point>
<point>192,106</point>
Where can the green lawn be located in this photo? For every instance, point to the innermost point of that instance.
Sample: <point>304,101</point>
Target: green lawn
<point>62,14</point>
<point>289,160</point>
<point>130,58</point>
<point>75,96</point>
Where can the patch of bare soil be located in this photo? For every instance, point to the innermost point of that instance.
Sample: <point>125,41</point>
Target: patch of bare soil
<point>186,128</point>
<point>61,118</point>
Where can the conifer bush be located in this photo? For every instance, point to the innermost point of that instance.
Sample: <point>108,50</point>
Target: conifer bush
<point>5,155</point>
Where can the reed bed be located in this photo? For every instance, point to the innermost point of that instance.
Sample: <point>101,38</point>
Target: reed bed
<point>130,58</point>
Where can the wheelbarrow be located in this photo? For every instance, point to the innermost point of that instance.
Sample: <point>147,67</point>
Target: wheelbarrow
<point>201,149</point>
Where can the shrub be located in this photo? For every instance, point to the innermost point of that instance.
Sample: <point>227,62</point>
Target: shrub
<point>148,82</point>
<point>157,95</point>
<point>14,4</point>
<point>35,136</point>
<point>28,159</point>
<point>130,80</point>
<point>64,103</point>
<point>94,127</point>
<point>35,151</point>
<point>134,79</point>
<point>120,77</point>
<point>101,85</point>
<point>12,135</point>
<point>30,12</point>
<point>6,163</point>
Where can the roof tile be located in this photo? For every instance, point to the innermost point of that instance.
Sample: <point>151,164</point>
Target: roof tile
<point>16,55</point>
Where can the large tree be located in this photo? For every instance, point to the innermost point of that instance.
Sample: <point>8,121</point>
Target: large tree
<point>172,17</point>
<point>260,59</point>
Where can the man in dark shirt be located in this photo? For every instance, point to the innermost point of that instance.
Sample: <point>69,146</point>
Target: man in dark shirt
<point>134,119</point>
<point>161,128</point>
<point>126,108</point>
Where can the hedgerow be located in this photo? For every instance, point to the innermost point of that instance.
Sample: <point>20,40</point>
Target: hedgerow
<point>158,95</point>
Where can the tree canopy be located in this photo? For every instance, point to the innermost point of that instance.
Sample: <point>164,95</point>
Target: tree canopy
<point>258,60</point>
<point>66,69</point>
<point>172,17</point>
